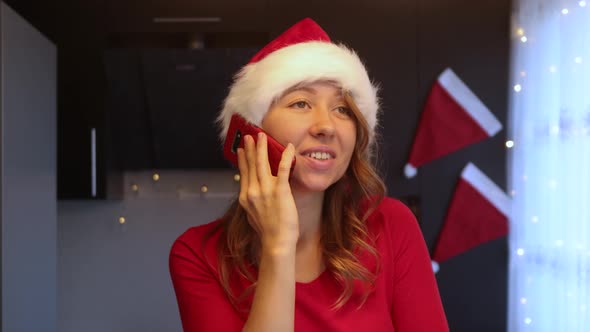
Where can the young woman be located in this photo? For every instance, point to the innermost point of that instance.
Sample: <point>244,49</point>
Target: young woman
<point>319,248</point>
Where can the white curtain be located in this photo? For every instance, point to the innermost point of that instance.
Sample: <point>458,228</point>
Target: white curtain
<point>549,166</point>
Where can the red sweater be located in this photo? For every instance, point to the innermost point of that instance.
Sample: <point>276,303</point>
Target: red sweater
<point>405,298</point>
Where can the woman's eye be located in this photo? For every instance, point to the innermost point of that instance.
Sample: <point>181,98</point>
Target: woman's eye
<point>344,110</point>
<point>300,104</point>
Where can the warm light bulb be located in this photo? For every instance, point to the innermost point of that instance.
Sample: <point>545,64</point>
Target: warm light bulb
<point>517,88</point>
<point>520,31</point>
<point>156,177</point>
<point>237,177</point>
<point>121,220</point>
<point>509,144</point>
<point>204,189</point>
<point>134,187</point>
<point>523,39</point>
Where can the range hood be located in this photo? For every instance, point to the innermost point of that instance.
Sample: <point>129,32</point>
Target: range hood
<point>161,106</point>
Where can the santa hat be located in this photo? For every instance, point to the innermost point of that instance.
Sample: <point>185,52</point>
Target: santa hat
<point>453,118</point>
<point>478,213</point>
<point>302,54</point>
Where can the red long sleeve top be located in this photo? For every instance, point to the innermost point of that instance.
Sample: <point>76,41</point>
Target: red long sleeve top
<point>405,297</point>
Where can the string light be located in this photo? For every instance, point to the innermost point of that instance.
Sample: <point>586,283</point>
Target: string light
<point>156,177</point>
<point>553,69</point>
<point>520,252</point>
<point>565,11</point>
<point>582,3</point>
<point>578,59</point>
<point>523,300</point>
<point>237,177</point>
<point>204,188</point>
<point>523,73</point>
<point>517,88</point>
<point>528,321</point>
<point>509,144</point>
<point>520,31</point>
<point>523,39</point>
<point>122,220</point>
<point>134,187</point>
<point>535,219</point>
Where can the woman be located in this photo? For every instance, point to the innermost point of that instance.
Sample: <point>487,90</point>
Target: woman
<point>320,248</point>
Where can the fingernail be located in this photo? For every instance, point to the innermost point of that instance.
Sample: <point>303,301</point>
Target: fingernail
<point>260,135</point>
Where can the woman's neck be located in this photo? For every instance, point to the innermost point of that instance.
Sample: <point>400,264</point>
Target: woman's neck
<point>309,206</point>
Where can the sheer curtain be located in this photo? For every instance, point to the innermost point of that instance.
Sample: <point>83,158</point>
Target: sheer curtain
<point>549,166</point>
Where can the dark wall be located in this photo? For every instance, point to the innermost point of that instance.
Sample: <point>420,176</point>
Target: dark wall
<point>404,43</point>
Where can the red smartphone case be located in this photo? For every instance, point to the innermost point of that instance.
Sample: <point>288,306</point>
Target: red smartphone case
<point>238,128</point>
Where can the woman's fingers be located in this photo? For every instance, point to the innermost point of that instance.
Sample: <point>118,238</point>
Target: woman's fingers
<point>253,185</point>
<point>262,165</point>
<point>243,167</point>
<point>285,165</point>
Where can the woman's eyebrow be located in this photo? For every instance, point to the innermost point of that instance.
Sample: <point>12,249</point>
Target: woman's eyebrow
<point>311,90</point>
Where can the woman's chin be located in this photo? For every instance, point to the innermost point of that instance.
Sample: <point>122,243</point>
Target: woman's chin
<point>311,184</point>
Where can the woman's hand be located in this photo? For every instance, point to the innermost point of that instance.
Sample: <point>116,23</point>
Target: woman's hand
<point>268,199</point>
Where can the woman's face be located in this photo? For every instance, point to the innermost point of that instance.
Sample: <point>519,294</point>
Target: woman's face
<point>317,121</point>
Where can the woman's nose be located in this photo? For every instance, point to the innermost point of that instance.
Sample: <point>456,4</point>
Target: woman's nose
<point>323,124</point>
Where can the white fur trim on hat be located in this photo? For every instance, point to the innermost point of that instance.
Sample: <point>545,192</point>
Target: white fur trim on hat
<point>258,84</point>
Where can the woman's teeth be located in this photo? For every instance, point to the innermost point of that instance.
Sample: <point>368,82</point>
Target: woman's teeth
<point>319,155</point>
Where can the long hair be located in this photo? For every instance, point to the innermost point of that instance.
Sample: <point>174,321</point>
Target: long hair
<point>344,234</point>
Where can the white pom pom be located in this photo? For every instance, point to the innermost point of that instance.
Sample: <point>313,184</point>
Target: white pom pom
<point>410,171</point>
<point>435,267</point>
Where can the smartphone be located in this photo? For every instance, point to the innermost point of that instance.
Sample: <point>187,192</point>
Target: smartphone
<point>238,128</point>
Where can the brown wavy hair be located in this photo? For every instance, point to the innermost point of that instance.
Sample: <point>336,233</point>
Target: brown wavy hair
<point>344,235</point>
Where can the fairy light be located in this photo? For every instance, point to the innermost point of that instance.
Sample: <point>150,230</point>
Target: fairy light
<point>122,220</point>
<point>528,321</point>
<point>509,144</point>
<point>582,3</point>
<point>156,177</point>
<point>552,69</point>
<point>534,219</point>
<point>578,59</point>
<point>523,300</point>
<point>523,39</point>
<point>520,252</point>
<point>517,88</point>
<point>565,11</point>
<point>520,31</point>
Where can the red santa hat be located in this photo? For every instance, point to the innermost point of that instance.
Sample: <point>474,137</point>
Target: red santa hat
<point>478,213</point>
<point>302,54</point>
<point>453,118</point>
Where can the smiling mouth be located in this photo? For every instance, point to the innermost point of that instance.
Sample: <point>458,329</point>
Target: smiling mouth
<point>319,155</point>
